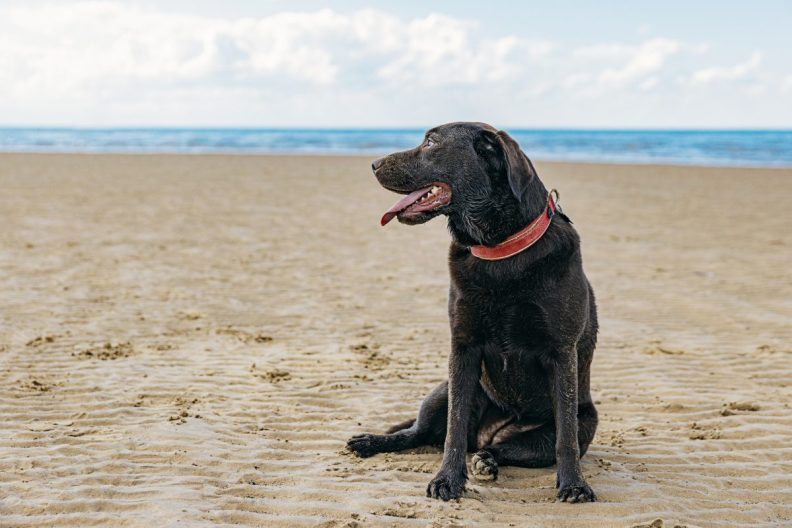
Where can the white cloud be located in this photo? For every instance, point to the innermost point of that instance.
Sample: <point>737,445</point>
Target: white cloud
<point>644,59</point>
<point>575,80</point>
<point>97,40</point>
<point>88,44</point>
<point>616,67</point>
<point>604,51</point>
<point>117,63</point>
<point>649,84</point>
<point>786,84</point>
<point>441,50</point>
<point>80,44</point>
<point>728,73</point>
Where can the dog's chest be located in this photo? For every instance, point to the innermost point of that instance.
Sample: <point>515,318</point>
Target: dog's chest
<point>513,326</point>
<point>512,367</point>
<point>516,380</point>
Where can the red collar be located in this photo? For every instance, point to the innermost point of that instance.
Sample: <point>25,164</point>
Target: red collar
<point>524,238</point>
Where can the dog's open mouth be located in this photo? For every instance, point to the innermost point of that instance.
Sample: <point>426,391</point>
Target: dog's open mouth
<point>417,202</point>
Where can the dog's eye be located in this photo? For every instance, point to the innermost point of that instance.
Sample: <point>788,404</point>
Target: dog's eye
<point>429,143</point>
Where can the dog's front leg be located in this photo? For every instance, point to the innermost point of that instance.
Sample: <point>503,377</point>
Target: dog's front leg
<point>464,370</point>
<point>572,487</point>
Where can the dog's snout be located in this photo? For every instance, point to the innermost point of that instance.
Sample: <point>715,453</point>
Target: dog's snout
<point>377,163</point>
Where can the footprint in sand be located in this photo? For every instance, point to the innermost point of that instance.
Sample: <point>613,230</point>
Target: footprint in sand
<point>189,315</point>
<point>36,385</point>
<point>273,376</point>
<point>371,357</point>
<point>732,407</point>
<point>242,335</point>
<point>107,351</point>
<point>659,523</point>
<point>183,407</point>
<point>402,510</point>
<point>41,340</point>
<point>657,348</point>
<point>699,432</point>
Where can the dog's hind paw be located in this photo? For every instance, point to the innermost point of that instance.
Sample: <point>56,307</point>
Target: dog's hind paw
<point>483,466</point>
<point>364,445</point>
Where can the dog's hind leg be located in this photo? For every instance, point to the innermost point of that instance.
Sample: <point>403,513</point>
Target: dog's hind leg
<point>429,428</point>
<point>400,426</point>
<point>515,446</point>
<point>534,448</point>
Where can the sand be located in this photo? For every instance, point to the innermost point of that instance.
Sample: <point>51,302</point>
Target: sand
<point>189,341</point>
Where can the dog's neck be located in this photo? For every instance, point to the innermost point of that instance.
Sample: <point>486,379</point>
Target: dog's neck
<point>493,223</point>
<point>524,238</point>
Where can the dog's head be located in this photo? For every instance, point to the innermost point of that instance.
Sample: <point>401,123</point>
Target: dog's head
<point>471,172</point>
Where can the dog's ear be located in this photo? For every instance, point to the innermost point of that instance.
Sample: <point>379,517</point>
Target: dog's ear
<point>502,152</point>
<point>519,169</point>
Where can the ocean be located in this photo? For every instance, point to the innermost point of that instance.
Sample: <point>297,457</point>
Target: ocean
<point>764,148</point>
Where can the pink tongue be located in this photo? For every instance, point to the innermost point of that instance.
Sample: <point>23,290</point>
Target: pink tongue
<point>403,204</point>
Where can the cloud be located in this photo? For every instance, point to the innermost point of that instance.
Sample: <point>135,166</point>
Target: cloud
<point>98,42</point>
<point>575,80</point>
<point>649,84</point>
<point>118,63</point>
<point>642,60</point>
<point>604,51</point>
<point>441,50</point>
<point>729,73</point>
<point>93,42</point>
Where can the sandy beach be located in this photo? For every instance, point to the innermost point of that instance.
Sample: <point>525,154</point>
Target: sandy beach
<point>189,340</point>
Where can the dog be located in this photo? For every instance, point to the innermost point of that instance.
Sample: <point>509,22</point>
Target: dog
<point>522,312</point>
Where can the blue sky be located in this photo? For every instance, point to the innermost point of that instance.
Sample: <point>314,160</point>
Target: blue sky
<point>303,64</point>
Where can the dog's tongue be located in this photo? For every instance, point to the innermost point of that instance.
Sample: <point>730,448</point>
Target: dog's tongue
<point>403,204</point>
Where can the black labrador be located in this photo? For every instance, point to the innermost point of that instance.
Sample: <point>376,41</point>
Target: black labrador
<point>523,328</point>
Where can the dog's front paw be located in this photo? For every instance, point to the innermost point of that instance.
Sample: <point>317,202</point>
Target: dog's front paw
<point>483,466</point>
<point>576,491</point>
<point>364,445</point>
<point>446,485</point>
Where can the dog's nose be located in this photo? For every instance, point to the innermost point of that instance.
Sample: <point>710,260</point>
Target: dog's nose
<point>377,163</point>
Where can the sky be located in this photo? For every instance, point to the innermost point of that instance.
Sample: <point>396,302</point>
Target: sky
<point>560,64</point>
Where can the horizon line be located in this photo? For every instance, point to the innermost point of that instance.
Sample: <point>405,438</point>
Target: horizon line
<point>387,128</point>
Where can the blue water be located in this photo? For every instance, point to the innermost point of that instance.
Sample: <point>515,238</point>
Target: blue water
<point>695,147</point>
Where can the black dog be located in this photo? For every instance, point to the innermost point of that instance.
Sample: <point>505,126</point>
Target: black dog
<point>523,327</point>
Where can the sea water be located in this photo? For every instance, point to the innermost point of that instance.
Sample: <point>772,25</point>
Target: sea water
<point>770,148</point>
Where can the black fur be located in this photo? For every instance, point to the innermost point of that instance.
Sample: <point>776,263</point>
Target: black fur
<point>523,329</point>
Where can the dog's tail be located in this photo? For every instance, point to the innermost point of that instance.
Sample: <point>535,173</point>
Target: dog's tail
<point>398,427</point>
